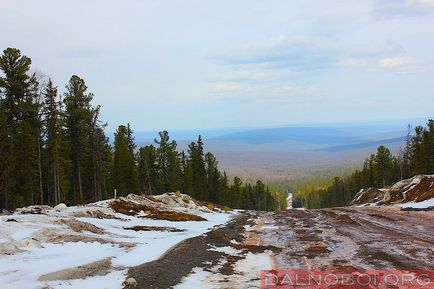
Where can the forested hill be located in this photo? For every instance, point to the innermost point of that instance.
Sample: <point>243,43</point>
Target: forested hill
<point>380,170</point>
<point>54,151</point>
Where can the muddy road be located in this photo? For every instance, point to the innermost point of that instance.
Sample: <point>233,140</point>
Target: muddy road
<point>340,238</point>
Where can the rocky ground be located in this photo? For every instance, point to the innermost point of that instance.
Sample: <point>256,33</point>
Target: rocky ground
<point>341,238</point>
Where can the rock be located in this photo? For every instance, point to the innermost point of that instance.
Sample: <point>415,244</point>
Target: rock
<point>416,189</point>
<point>130,283</point>
<point>60,207</point>
<point>8,248</point>
<point>38,209</point>
<point>5,212</point>
<point>371,195</point>
<point>30,242</point>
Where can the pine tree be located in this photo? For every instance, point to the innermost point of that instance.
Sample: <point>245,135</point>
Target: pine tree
<point>147,168</point>
<point>195,150</point>
<point>78,116</point>
<point>101,157</point>
<point>53,142</point>
<point>124,174</point>
<point>187,175</point>
<point>169,171</point>
<point>20,109</point>
<point>383,166</point>
<point>213,177</point>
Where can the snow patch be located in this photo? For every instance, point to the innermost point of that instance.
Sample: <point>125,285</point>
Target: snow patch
<point>420,205</point>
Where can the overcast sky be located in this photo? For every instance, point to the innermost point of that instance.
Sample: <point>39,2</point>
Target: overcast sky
<point>206,64</point>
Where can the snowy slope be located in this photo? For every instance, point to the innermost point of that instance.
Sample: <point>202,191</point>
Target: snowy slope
<point>46,250</point>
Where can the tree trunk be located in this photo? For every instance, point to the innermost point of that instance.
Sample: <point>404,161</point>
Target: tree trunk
<point>80,188</point>
<point>41,189</point>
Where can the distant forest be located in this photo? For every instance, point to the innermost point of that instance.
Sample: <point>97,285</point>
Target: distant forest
<point>380,170</point>
<point>53,149</point>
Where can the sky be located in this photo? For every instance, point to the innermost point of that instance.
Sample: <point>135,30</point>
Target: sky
<point>213,64</point>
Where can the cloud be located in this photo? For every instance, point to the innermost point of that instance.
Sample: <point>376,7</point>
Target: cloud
<point>296,90</point>
<point>401,65</point>
<point>263,92</point>
<point>282,53</point>
<point>421,2</point>
<point>403,8</point>
<point>227,86</point>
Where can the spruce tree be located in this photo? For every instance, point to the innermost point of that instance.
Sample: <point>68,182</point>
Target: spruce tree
<point>213,177</point>
<point>187,175</point>
<point>195,150</point>
<point>383,166</point>
<point>101,157</point>
<point>124,174</point>
<point>53,143</point>
<point>78,116</point>
<point>169,171</point>
<point>147,169</point>
<point>21,128</point>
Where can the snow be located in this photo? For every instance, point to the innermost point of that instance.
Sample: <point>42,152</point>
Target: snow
<point>227,250</point>
<point>34,255</point>
<point>197,279</point>
<point>112,280</point>
<point>246,276</point>
<point>23,270</point>
<point>255,263</point>
<point>420,205</point>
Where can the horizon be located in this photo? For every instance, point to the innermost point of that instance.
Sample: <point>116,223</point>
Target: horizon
<point>211,133</point>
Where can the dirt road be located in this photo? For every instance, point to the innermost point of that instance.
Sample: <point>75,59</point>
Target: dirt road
<point>345,238</point>
<point>340,238</point>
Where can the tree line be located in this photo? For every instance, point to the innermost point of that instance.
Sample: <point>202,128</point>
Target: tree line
<point>380,170</point>
<point>53,149</point>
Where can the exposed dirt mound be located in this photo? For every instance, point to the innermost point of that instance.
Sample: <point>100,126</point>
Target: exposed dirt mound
<point>129,208</point>
<point>93,214</point>
<point>163,207</point>
<point>98,268</point>
<point>79,226</point>
<point>60,237</point>
<point>371,195</point>
<point>154,228</point>
<point>175,216</point>
<point>416,189</point>
<point>422,191</point>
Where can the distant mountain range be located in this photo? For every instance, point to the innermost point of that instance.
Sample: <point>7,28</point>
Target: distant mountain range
<point>295,150</point>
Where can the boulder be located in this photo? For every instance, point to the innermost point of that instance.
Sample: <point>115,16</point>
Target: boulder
<point>371,195</point>
<point>60,207</point>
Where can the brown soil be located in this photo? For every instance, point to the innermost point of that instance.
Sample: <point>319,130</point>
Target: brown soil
<point>11,220</point>
<point>424,190</point>
<point>132,209</point>
<point>94,214</point>
<point>175,216</point>
<point>53,236</point>
<point>79,226</point>
<point>346,219</point>
<point>368,196</point>
<point>129,208</point>
<point>99,268</point>
<point>154,228</point>
<point>370,238</point>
